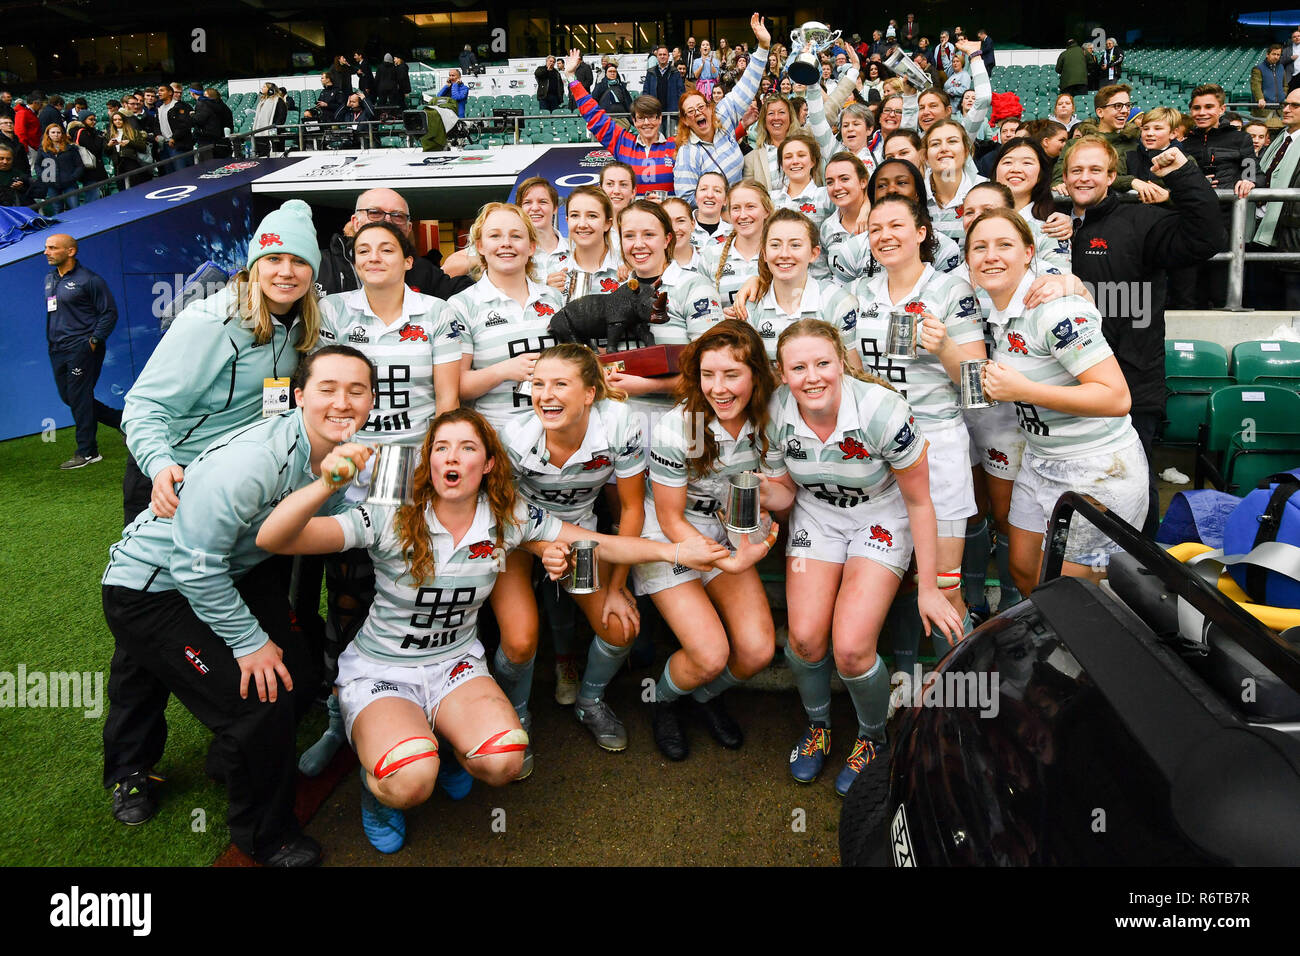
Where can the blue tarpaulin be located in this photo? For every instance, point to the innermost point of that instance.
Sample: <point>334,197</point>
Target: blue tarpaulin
<point>18,221</point>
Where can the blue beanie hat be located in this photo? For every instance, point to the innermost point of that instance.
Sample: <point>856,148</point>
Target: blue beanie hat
<point>288,229</point>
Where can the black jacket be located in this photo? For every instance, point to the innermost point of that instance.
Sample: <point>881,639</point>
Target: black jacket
<point>1121,250</point>
<point>364,78</point>
<point>550,85</point>
<point>403,79</point>
<point>48,115</point>
<point>180,117</point>
<point>330,100</point>
<point>385,79</point>
<point>9,196</point>
<point>336,273</point>
<point>584,75</point>
<point>21,162</point>
<point>209,122</point>
<point>1222,151</point>
<point>342,76</point>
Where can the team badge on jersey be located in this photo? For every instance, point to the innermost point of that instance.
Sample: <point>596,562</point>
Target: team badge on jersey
<point>599,461</point>
<point>482,549</point>
<point>905,434</point>
<point>411,333</point>
<point>701,306</point>
<point>536,515</point>
<point>1065,334</point>
<point>853,448</point>
<point>795,451</point>
<point>1016,343</point>
<point>916,308</point>
<point>454,328</point>
<point>766,330</point>
<point>967,305</point>
<point>541,308</point>
<point>807,208</point>
<point>608,285</point>
<point>850,319</point>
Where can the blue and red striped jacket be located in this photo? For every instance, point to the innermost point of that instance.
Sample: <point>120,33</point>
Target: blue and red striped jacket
<point>653,164</point>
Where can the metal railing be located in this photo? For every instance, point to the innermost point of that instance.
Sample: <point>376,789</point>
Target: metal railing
<point>1236,255</point>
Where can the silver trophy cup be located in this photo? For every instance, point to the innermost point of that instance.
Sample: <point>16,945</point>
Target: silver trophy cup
<point>742,504</point>
<point>804,66</point>
<point>972,385</point>
<point>583,576</point>
<point>903,65</point>
<point>578,285</point>
<point>900,335</point>
<point>392,477</point>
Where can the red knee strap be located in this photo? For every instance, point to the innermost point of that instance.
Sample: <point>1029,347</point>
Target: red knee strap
<point>426,747</point>
<point>507,741</point>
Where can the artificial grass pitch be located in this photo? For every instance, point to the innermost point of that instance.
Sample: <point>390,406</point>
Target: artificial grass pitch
<point>57,528</point>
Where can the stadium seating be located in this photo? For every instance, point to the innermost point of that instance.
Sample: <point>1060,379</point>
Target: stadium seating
<point>1278,361</point>
<point>1194,369</point>
<point>1244,426</point>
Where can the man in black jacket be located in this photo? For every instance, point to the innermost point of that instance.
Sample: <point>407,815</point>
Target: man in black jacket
<point>13,182</point>
<point>363,75</point>
<point>210,120</point>
<point>337,274</point>
<point>174,136</point>
<point>550,86</point>
<point>1122,251</point>
<point>1226,156</point>
<point>584,75</point>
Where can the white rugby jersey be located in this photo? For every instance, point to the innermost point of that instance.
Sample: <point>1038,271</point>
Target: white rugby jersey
<point>404,353</point>
<point>922,380</point>
<point>814,203</point>
<point>559,258</point>
<point>1054,343</point>
<point>1054,252</point>
<point>695,264</point>
<point>852,260</point>
<point>493,327</point>
<point>671,451</point>
<point>736,271</point>
<point>603,281</point>
<point>820,300</point>
<point>875,433</point>
<point>614,445</point>
<point>947,218</point>
<point>701,237</point>
<point>436,621</point>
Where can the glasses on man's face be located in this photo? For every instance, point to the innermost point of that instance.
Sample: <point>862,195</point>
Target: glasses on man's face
<point>1118,106</point>
<point>1290,104</point>
<point>396,218</point>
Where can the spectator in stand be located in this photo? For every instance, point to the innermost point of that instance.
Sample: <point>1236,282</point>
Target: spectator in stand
<point>663,82</point>
<point>403,79</point>
<point>357,111</point>
<point>707,70</point>
<point>8,137</point>
<point>6,104</point>
<point>467,59</point>
<point>58,169</point>
<point>1278,230</point>
<point>1268,82</point>
<point>911,33</point>
<point>615,97</point>
<point>174,117</point>
<point>1094,68</point>
<point>330,99</point>
<point>1112,105</point>
<point>1008,128</point>
<point>457,90</point>
<point>271,113</point>
<point>1227,158</point>
<point>862,47</point>
<point>705,135</point>
<point>1257,130</point>
<point>986,51</point>
<point>1158,127</point>
<point>649,153</point>
<point>341,71</point>
<point>52,112</point>
<point>690,55</point>
<point>211,119</point>
<point>386,82</point>
<point>959,80</point>
<point>1135,243</point>
<point>83,134</point>
<point>1049,134</point>
<point>128,150</point>
<point>364,76</point>
<point>1112,62</point>
<point>13,184</point>
<point>550,85</point>
<point>27,128</point>
<point>1072,64</point>
<point>944,55</point>
<point>1063,111</point>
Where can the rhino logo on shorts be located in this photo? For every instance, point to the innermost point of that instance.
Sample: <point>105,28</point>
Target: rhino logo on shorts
<point>800,539</point>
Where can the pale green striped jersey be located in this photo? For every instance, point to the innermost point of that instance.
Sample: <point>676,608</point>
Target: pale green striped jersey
<point>947,218</point>
<point>410,624</point>
<point>922,380</point>
<point>849,255</point>
<point>614,445</point>
<point>820,300</point>
<point>404,354</point>
<point>814,203</point>
<point>674,446</point>
<point>875,434</point>
<point>493,327</point>
<point>1053,344</point>
<point>735,271</point>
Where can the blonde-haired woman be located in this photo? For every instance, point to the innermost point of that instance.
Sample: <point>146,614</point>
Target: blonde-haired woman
<point>417,667</point>
<point>582,436</point>
<point>503,319</point>
<point>215,370</point>
<point>729,260</point>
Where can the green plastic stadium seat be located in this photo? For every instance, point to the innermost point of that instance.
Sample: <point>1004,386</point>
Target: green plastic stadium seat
<point>1247,463</point>
<point>1244,411</point>
<point>1252,359</point>
<point>1187,399</point>
<point>1195,357</point>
